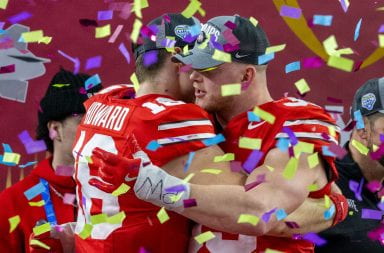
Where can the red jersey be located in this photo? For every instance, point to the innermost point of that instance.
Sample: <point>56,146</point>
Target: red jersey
<point>15,203</point>
<point>310,124</point>
<point>110,120</point>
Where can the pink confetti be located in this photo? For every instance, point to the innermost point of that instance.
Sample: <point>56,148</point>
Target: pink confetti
<point>69,198</point>
<point>185,68</point>
<point>230,37</point>
<point>337,150</point>
<point>235,166</point>
<point>313,62</point>
<point>167,18</point>
<point>7,69</point>
<point>374,186</point>
<point>189,203</point>
<point>260,179</point>
<point>64,170</point>
<point>230,25</point>
<point>115,34</point>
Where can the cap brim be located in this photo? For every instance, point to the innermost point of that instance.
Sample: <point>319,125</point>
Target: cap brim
<point>197,59</point>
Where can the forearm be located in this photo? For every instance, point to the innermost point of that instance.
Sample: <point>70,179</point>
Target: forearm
<point>219,207</point>
<point>309,217</point>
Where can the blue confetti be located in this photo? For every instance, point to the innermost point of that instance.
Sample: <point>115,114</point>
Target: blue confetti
<point>357,30</point>
<point>280,214</point>
<point>283,144</point>
<point>324,20</point>
<point>252,117</point>
<point>153,145</point>
<point>359,119</point>
<point>189,161</point>
<point>215,140</point>
<point>34,191</point>
<point>327,152</point>
<point>92,82</point>
<point>328,214</point>
<point>27,164</point>
<point>293,66</point>
<point>265,58</point>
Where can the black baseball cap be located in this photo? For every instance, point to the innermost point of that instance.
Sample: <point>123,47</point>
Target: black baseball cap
<point>369,98</point>
<point>183,30</point>
<point>252,42</point>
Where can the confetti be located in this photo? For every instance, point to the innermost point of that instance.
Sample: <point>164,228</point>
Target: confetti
<point>136,30</point>
<point>374,186</point>
<point>41,229</point>
<point>204,237</point>
<point>290,12</point>
<point>153,145</point>
<point>93,62</point>
<point>249,143</point>
<point>105,15</point>
<point>260,179</point>
<point>191,9</point>
<point>252,161</point>
<point>11,158</point>
<point>357,30</point>
<point>88,22</point>
<point>290,168</point>
<point>189,203</point>
<point>313,160</point>
<point>292,137</point>
<point>224,158</point>
<point>236,166</point>
<point>162,215</point>
<point>283,144</point>
<point>344,4</point>
<point>115,34</point>
<point>381,29</point>
<point>33,36</point>
<point>230,89</point>
<point>150,58</point>
<point>324,20</point>
<point>317,240</point>
<point>27,164</point>
<point>214,140</point>
<point>122,189</point>
<point>3,4</point>
<point>117,218</point>
<point>7,69</point>
<point>135,82</point>
<point>360,147</point>
<point>191,155</point>
<point>340,152</point>
<point>302,86</point>
<point>293,66</point>
<point>37,203</point>
<point>19,17</point>
<point>221,56</point>
<point>40,244</point>
<point>252,117</point>
<point>75,61</point>
<point>253,21</point>
<point>92,82</point>
<point>264,115</point>
<point>340,63</point>
<point>356,188</point>
<point>248,218</point>
<point>328,214</point>
<point>371,214</point>
<point>98,218</point>
<point>313,62</point>
<point>280,214</point>
<point>13,223</point>
<point>103,31</point>
<point>86,232</point>
<point>211,171</point>
<point>381,40</point>
<point>274,49</point>
<point>69,198</point>
<point>265,58</point>
<point>64,170</point>
<point>313,187</point>
<point>34,191</point>
<point>177,188</point>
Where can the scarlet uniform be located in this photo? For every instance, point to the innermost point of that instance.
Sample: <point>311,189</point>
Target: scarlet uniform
<point>310,124</point>
<point>111,119</point>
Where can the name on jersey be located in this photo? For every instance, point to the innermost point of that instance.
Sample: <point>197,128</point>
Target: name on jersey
<point>107,116</point>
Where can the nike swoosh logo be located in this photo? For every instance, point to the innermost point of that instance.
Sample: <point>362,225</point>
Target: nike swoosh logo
<point>252,126</point>
<point>237,55</point>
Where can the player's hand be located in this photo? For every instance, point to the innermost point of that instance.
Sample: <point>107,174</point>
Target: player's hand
<point>44,243</point>
<point>113,170</point>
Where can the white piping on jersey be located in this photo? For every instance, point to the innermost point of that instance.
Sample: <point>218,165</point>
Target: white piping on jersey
<point>307,135</point>
<point>113,87</point>
<point>201,122</point>
<point>311,122</point>
<point>183,138</point>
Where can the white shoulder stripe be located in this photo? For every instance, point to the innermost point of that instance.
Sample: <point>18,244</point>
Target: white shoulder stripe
<point>311,122</point>
<point>113,87</point>
<point>308,135</point>
<point>184,138</point>
<point>181,124</point>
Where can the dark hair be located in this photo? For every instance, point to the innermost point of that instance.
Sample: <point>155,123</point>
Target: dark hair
<point>143,72</point>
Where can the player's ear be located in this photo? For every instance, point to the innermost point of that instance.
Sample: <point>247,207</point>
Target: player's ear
<point>249,74</point>
<point>178,50</point>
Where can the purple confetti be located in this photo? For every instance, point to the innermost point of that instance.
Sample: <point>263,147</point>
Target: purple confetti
<point>19,17</point>
<point>292,224</point>
<point>124,52</point>
<point>260,179</point>
<point>315,238</point>
<point>381,206</point>
<point>230,48</point>
<point>189,38</point>
<point>381,29</point>
<point>230,25</point>
<point>76,61</point>
<point>337,150</point>
<point>291,135</point>
<point>35,146</point>
<point>381,137</point>
<point>266,216</point>
<point>24,137</point>
<point>147,32</point>
<point>64,170</point>
<point>105,15</point>
<point>371,214</point>
<point>374,186</point>
<point>344,5</point>
<point>325,136</point>
<point>143,250</point>
<point>2,25</point>
<point>356,188</point>
<point>176,188</point>
<point>7,69</point>
<point>252,161</point>
<point>235,166</point>
<point>230,37</point>
<point>290,12</point>
<point>214,44</point>
<point>313,62</point>
<point>150,58</point>
<point>93,62</point>
<point>189,203</point>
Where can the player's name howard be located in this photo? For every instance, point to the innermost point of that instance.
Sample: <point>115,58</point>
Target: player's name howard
<point>107,116</point>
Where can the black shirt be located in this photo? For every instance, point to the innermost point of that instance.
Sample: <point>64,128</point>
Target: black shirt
<point>351,235</point>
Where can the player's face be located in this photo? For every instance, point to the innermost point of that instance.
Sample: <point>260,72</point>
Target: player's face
<point>186,86</point>
<point>375,129</point>
<point>208,84</point>
<point>68,133</point>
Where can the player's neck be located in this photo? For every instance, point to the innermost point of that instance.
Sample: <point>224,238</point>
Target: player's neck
<point>242,103</point>
<point>148,87</point>
<point>61,159</point>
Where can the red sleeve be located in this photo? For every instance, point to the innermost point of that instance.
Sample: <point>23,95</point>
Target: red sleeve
<point>178,130</point>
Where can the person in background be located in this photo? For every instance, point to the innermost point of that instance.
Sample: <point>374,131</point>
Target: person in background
<point>366,171</point>
<point>60,112</point>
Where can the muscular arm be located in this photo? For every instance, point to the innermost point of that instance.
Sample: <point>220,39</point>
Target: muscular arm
<point>219,206</point>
